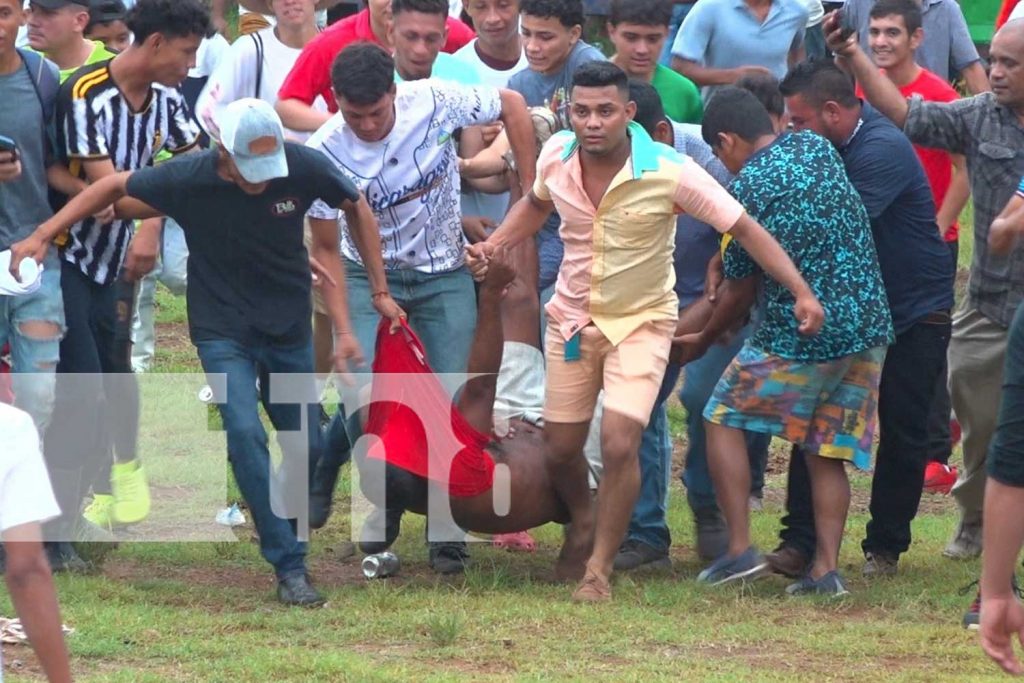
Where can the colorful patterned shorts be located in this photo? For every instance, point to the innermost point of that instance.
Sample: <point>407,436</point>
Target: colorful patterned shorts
<point>828,408</point>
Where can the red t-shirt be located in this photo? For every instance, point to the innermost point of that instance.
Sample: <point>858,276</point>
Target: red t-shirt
<point>937,163</point>
<point>311,75</point>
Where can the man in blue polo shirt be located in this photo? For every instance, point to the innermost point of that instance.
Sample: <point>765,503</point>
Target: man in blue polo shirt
<point>721,41</point>
<point>918,271</point>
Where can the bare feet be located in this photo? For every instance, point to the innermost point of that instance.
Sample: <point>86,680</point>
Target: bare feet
<point>576,549</point>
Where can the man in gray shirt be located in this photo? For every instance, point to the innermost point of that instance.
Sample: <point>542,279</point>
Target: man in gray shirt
<point>31,323</point>
<point>947,49</point>
<point>987,130</point>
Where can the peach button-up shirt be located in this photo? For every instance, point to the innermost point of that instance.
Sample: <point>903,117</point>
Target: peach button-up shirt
<point>617,270</point>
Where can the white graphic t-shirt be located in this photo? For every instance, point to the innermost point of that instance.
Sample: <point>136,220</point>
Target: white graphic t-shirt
<point>411,177</point>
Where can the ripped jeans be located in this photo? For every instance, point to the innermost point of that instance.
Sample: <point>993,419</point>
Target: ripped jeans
<point>33,325</point>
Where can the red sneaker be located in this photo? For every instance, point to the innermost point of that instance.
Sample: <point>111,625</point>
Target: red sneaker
<point>939,478</point>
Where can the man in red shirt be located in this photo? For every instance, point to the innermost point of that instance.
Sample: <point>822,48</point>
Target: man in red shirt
<point>894,34</point>
<point>311,75</point>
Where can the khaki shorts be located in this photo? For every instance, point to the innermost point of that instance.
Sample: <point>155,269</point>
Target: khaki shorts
<point>629,373</point>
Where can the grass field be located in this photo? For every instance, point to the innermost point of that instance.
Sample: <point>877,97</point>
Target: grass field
<point>205,612</point>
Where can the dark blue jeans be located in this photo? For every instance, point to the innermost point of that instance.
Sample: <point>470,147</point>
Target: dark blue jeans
<point>248,452</point>
<point>905,397</point>
<point>649,524</point>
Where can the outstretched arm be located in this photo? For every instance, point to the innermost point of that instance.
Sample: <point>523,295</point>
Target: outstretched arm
<point>476,403</point>
<point>91,200</point>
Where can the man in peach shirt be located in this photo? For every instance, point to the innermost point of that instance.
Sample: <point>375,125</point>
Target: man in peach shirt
<point>614,311</point>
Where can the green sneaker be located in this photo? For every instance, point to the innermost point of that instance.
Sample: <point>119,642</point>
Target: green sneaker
<point>101,511</point>
<point>131,492</point>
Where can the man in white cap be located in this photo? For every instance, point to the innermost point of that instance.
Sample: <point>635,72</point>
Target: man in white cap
<point>242,207</point>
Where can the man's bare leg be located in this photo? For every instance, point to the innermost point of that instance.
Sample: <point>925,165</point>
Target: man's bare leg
<point>563,447</point>
<point>830,489</point>
<point>730,473</point>
<point>618,489</point>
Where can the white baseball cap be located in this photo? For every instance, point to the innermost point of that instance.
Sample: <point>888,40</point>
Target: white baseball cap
<point>252,133</point>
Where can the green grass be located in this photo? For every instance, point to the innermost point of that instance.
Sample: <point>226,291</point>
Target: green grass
<point>205,611</point>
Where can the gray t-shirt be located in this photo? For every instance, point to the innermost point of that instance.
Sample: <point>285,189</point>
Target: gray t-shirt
<point>543,90</point>
<point>947,47</point>
<point>23,202</point>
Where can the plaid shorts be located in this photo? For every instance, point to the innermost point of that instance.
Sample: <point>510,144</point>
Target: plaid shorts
<point>828,408</point>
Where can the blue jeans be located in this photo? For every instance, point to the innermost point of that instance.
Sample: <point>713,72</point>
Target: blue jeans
<point>649,524</point>
<point>441,308</point>
<point>301,441</point>
<point>34,359</point>
<point>171,270</point>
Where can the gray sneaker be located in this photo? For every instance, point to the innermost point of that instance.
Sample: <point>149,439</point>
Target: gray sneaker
<point>830,584</point>
<point>634,554</point>
<point>966,542</point>
<point>712,533</point>
<point>879,564</point>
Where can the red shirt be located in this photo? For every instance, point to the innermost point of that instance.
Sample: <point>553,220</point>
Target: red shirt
<point>311,75</point>
<point>937,163</point>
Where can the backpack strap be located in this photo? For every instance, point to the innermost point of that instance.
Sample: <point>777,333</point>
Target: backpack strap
<point>258,39</point>
<point>46,82</point>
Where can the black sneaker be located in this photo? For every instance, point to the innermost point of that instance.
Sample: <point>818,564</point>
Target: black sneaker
<point>296,590</point>
<point>63,558</point>
<point>634,554</point>
<point>448,558</point>
<point>392,523</point>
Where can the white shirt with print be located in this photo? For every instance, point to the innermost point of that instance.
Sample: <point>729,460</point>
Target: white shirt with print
<point>411,177</point>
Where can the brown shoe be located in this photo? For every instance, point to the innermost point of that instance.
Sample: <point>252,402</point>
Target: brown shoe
<point>592,589</point>
<point>788,561</point>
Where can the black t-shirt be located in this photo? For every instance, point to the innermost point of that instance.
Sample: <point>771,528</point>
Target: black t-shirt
<point>248,269</point>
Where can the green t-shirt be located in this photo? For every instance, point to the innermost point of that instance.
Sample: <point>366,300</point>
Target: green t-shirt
<point>679,95</point>
<point>99,53</point>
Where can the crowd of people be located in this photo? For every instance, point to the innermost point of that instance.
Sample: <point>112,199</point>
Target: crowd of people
<point>753,202</point>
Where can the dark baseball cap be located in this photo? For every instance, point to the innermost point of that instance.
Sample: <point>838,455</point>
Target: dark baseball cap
<point>58,4</point>
<point>105,11</point>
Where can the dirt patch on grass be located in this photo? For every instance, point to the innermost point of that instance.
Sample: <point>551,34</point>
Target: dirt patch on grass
<point>173,338</point>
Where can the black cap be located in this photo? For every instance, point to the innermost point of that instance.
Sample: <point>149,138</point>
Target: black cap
<point>105,11</point>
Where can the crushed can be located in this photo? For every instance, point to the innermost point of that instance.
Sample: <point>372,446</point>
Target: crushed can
<point>381,565</point>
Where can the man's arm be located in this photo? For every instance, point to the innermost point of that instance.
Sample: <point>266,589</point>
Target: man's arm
<point>878,89</point>
<point>975,77</point>
<point>519,130</point>
<point>706,75</point>
<point>35,599</point>
<point>324,248</point>
<point>774,261</point>
<point>362,226</point>
<point>956,196</point>
<point>10,167</point>
<point>1008,226</point>
<point>524,219</point>
<point>734,300</point>
<point>98,195</point>
<point>299,116</point>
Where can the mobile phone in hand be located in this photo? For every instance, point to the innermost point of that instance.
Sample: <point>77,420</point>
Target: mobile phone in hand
<point>9,145</point>
<point>845,28</point>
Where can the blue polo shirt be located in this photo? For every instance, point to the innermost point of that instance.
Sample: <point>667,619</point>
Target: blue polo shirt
<point>917,267</point>
<point>725,34</point>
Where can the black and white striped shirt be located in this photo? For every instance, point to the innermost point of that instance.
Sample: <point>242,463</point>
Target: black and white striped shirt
<point>98,123</point>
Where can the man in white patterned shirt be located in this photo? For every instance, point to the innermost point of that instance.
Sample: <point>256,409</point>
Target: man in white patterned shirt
<point>396,142</point>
